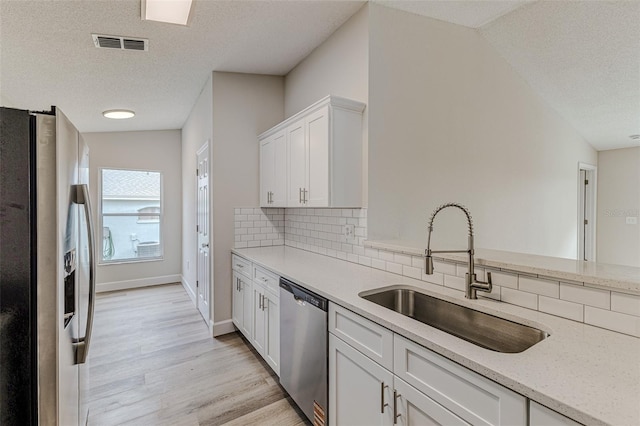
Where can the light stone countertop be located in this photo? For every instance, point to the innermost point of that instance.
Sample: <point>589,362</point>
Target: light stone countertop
<point>613,277</point>
<point>589,374</point>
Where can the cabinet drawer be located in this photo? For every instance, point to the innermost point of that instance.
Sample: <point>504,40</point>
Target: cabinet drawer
<point>371,339</point>
<point>241,265</point>
<point>266,278</point>
<point>470,396</point>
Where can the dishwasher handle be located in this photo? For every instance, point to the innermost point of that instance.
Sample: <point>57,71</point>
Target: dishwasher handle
<point>302,294</point>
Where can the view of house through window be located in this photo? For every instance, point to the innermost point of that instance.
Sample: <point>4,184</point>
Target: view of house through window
<point>131,214</point>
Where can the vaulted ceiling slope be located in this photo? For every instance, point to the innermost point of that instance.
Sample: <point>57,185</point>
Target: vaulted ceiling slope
<point>582,57</point>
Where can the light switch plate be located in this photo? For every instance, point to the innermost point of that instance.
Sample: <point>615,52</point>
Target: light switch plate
<point>631,220</point>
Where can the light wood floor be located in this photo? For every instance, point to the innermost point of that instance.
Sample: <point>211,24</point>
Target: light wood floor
<point>153,363</point>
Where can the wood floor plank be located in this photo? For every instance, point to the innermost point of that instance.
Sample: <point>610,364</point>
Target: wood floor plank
<point>152,362</point>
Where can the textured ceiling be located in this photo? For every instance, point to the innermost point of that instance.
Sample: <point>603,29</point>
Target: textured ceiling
<point>470,13</point>
<point>582,57</point>
<point>47,56</point>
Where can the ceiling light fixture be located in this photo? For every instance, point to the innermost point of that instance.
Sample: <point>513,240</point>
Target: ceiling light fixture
<point>118,114</point>
<point>170,11</point>
<point>635,137</point>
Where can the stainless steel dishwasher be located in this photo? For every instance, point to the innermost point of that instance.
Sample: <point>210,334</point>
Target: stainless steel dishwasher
<point>303,349</point>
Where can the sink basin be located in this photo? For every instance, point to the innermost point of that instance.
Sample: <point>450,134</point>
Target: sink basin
<point>479,328</point>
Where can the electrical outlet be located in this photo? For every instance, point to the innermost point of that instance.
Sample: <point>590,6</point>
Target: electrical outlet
<point>349,231</point>
<point>631,220</point>
<point>134,237</point>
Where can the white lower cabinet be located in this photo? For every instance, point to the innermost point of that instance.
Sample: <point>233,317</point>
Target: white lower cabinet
<point>266,325</point>
<point>424,388</point>
<point>256,308</point>
<point>242,311</point>
<point>360,390</point>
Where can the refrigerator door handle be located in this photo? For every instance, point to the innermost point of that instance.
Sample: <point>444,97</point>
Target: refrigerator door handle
<point>81,193</point>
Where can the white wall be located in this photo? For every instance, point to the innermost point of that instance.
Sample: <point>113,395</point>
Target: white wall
<point>231,111</point>
<point>148,150</point>
<point>339,66</point>
<point>451,121</point>
<point>244,105</point>
<point>618,198</point>
<point>196,131</point>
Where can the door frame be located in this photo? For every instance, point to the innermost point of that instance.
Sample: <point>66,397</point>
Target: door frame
<point>587,204</point>
<point>209,321</point>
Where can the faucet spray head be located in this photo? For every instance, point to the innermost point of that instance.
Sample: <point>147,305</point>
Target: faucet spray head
<point>428,265</point>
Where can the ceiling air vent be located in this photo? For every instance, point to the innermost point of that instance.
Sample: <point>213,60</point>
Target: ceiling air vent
<point>118,42</point>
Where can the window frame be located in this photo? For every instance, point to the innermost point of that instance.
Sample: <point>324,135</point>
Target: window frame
<point>136,214</point>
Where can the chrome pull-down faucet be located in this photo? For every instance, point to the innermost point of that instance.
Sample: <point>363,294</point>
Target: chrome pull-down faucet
<point>472,285</point>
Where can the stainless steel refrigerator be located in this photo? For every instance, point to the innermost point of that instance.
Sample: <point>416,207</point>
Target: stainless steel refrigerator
<point>47,280</point>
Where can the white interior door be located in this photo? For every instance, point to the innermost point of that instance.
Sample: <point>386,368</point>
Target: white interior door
<point>587,213</point>
<point>203,283</point>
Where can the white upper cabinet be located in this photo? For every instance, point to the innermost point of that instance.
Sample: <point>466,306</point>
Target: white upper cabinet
<point>273,170</point>
<point>321,162</point>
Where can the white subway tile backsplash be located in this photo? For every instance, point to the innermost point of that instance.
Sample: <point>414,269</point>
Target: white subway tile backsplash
<point>386,255</point>
<point>495,293</point>
<point>402,259</point>
<point>625,303</point>
<point>561,308</point>
<point>538,286</point>
<point>435,278</point>
<point>520,298</point>
<point>455,282</point>
<point>444,267</point>
<point>585,295</point>
<point>396,268</point>
<point>504,279</point>
<point>378,264</point>
<point>321,231</point>
<point>616,321</point>
<point>410,271</point>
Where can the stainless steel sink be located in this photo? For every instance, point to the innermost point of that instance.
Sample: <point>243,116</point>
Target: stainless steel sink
<point>479,328</point>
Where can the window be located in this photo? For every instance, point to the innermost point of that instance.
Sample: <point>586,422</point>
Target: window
<point>131,215</point>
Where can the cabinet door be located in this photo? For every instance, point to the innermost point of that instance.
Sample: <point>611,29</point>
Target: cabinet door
<point>360,391</point>
<point>267,171</point>
<point>272,329</point>
<point>296,159</point>
<point>413,408</point>
<point>247,306</point>
<point>258,320</point>
<point>236,313</point>
<point>279,188</point>
<point>317,126</point>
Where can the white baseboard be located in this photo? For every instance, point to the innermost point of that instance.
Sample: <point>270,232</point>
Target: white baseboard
<point>141,282</point>
<point>223,327</point>
<point>188,289</point>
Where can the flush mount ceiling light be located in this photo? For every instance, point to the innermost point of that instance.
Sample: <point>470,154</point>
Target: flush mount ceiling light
<point>635,137</point>
<point>118,114</point>
<point>170,11</point>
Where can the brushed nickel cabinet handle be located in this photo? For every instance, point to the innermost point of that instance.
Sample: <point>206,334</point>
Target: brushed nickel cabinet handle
<point>304,195</point>
<point>396,395</point>
<point>382,403</point>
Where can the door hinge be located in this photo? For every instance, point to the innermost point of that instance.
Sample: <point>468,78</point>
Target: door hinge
<point>586,222</point>
<point>586,181</point>
<point>197,283</point>
<point>197,228</point>
<point>197,172</point>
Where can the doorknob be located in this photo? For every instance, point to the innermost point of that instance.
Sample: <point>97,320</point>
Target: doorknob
<point>204,245</point>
